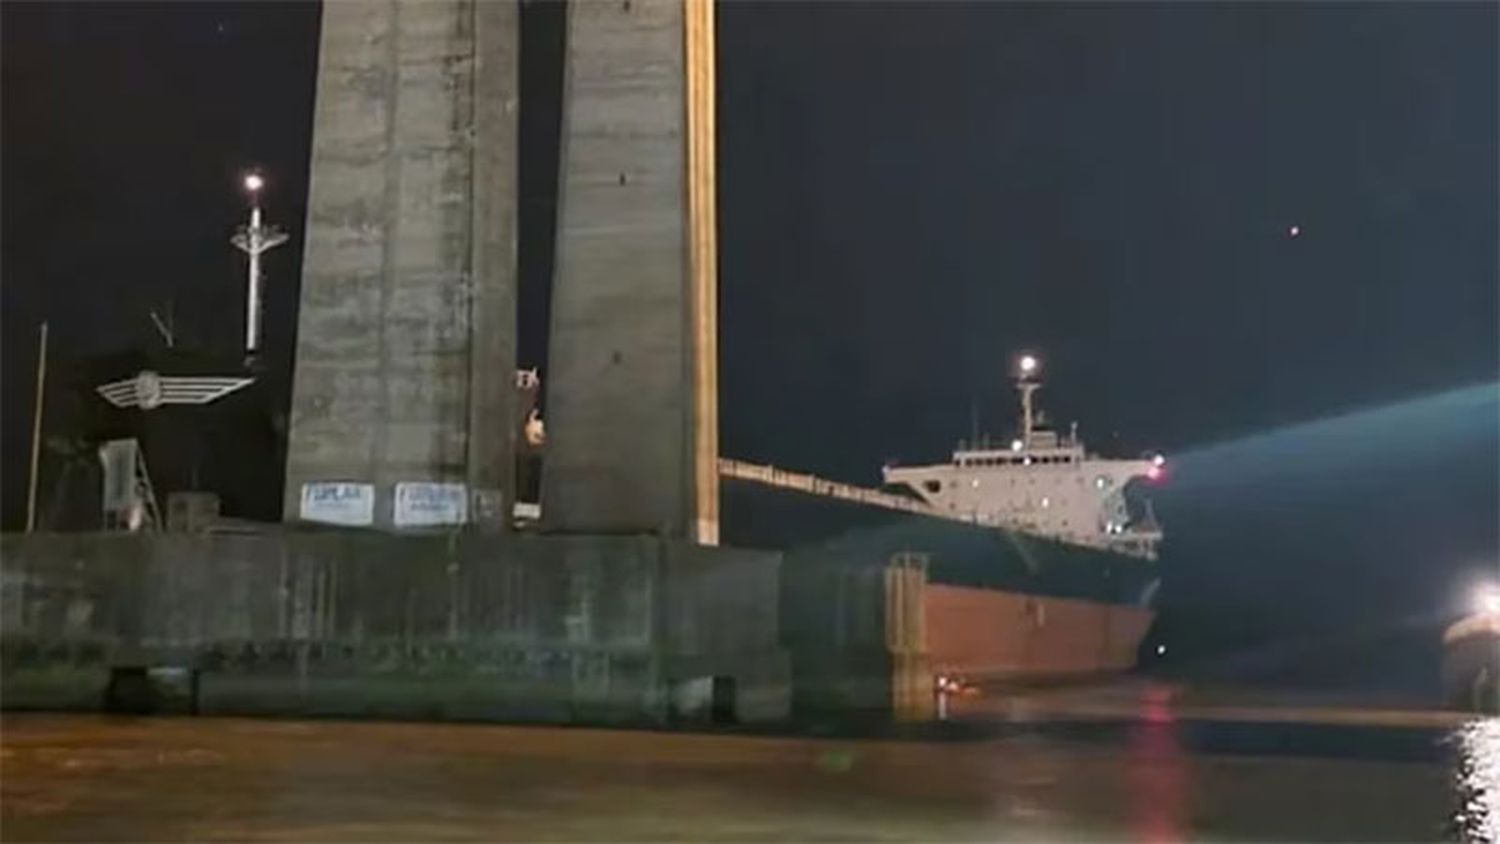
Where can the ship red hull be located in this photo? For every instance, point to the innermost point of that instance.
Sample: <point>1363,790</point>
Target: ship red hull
<point>987,633</point>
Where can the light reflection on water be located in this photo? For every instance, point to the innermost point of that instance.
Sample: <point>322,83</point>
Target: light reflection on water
<point>1477,814</point>
<point>1157,777</point>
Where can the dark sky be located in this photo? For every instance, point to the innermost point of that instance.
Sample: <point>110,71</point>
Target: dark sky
<point>914,192</point>
<point>909,194</point>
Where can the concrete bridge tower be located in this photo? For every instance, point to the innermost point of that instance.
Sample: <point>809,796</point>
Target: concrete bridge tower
<point>407,333</point>
<point>632,406</point>
<point>406,330</point>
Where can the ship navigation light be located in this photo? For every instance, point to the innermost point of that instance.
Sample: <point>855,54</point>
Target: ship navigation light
<point>254,182</point>
<point>1029,365</point>
<point>1158,468</point>
<point>1016,445</point>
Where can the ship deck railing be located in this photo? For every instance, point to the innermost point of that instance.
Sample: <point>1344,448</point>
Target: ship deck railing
<point>1125,543</point>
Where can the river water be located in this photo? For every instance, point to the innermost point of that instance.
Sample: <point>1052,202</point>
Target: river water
<point>98,778</point>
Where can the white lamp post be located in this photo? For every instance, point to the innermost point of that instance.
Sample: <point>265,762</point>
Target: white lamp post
<point>253,239</point>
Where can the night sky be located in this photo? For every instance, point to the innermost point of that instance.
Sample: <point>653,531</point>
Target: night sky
<point>909,194</point>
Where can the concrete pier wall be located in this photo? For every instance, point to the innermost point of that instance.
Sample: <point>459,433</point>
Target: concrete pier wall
<point>856,635</point>
<point>439,626</point>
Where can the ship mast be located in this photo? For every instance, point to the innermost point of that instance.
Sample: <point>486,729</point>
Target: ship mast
<point>1027,368</point>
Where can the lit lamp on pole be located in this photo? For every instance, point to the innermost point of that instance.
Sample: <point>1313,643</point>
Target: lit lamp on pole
<point>253,239</point>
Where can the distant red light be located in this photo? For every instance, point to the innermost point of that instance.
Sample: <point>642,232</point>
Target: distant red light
<point>1155,473</point>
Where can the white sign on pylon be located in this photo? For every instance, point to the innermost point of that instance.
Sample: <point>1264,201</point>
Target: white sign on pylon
<point>425,504</point>
<point>338,503</point>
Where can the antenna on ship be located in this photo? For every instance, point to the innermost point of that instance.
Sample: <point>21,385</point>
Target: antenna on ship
<point>974,419</point>
<point>1027,369</point>
<point>253,239</point>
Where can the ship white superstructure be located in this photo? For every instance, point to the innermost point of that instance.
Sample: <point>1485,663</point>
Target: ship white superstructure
<point>1043,483</point>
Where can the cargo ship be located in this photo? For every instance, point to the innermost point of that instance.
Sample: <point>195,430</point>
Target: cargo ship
<point>1040,556</point>
<point>1471,655</point>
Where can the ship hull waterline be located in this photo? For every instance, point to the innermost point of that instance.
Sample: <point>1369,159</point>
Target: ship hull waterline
<point>997,607</point>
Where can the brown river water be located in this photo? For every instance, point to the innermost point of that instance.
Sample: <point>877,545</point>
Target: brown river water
<point>101,778</point>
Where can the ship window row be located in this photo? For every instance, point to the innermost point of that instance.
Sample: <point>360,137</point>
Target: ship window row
<point>1045,460</point>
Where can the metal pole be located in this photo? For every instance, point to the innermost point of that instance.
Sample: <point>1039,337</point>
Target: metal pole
<point>973,421</point>
<point>36,427</point>
<point>1027,388</point>
<point>252,307</point>
<point>253,239</point>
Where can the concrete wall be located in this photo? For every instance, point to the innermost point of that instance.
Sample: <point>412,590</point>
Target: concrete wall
<point>856,636</point>
<point>406,327</point>
<point>557,628</point>
<point>631,375</point>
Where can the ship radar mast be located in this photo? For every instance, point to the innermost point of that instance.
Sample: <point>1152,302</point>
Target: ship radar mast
<point>1028,367</point>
